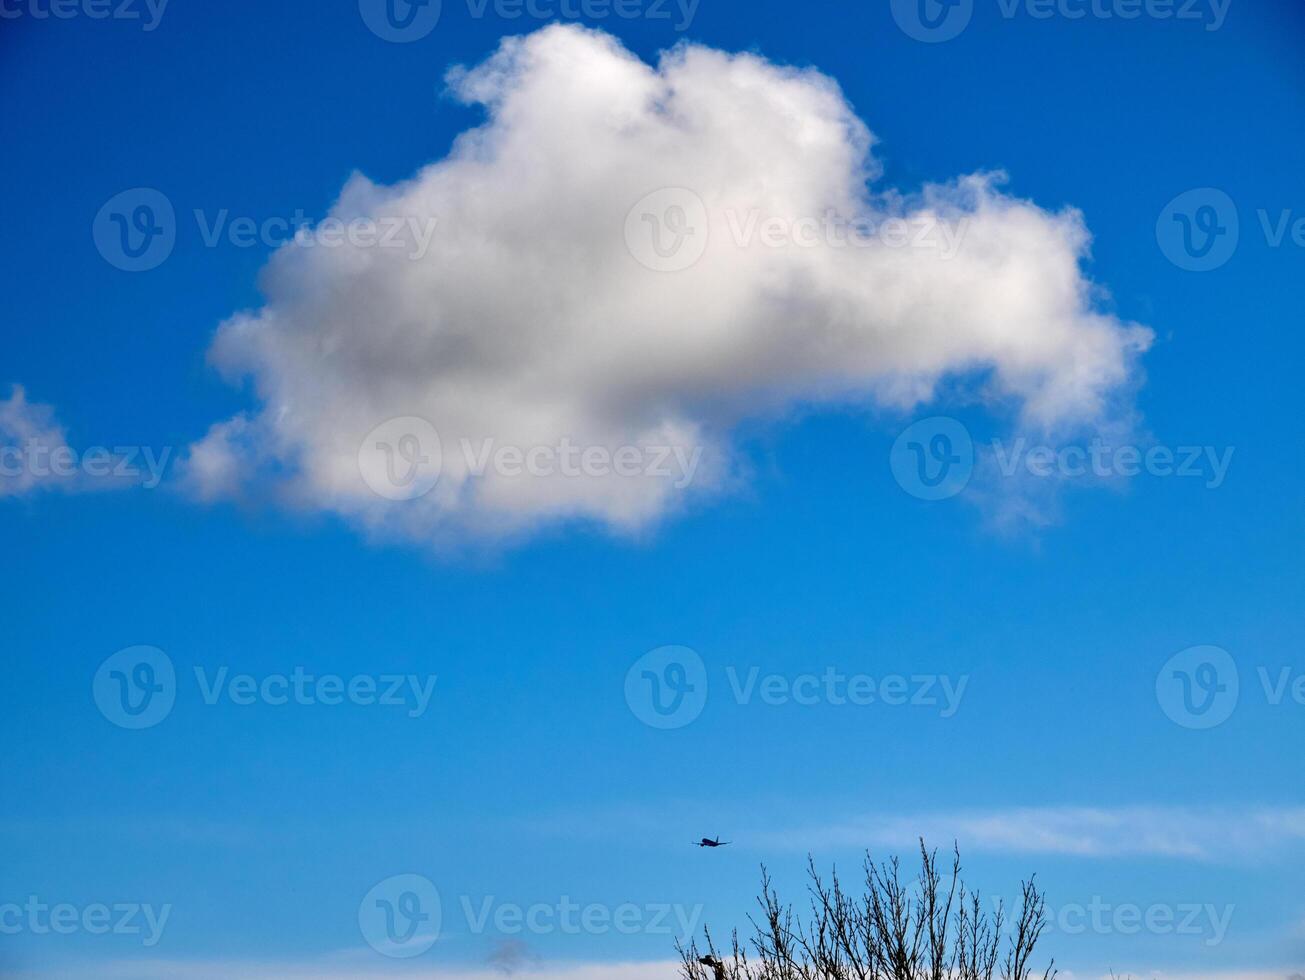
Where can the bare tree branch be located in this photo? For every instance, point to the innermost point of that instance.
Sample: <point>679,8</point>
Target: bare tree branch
<point>936,929</point>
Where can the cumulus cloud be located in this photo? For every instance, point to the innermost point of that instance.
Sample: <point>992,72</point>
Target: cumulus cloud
<point>629,261</point>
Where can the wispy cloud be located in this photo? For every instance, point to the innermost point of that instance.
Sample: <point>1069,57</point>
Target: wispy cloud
<point>343,968</point>
<point>325,969</point>
<point>1192,833</point>
<point>1285,973</point>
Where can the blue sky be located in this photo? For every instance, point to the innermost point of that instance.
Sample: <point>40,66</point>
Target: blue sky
<point>1049,607</point>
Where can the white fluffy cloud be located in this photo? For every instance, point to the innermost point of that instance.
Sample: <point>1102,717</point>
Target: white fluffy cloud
<point>531,323</point>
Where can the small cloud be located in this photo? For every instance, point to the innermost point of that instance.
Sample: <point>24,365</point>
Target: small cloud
<point>510,955</point>
<point>35,455</point>
<point>32,446</point>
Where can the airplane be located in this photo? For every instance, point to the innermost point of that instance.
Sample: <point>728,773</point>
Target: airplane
<point>708,842</point>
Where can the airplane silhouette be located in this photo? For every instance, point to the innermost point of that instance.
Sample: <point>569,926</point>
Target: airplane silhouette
<point>708,842</point>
